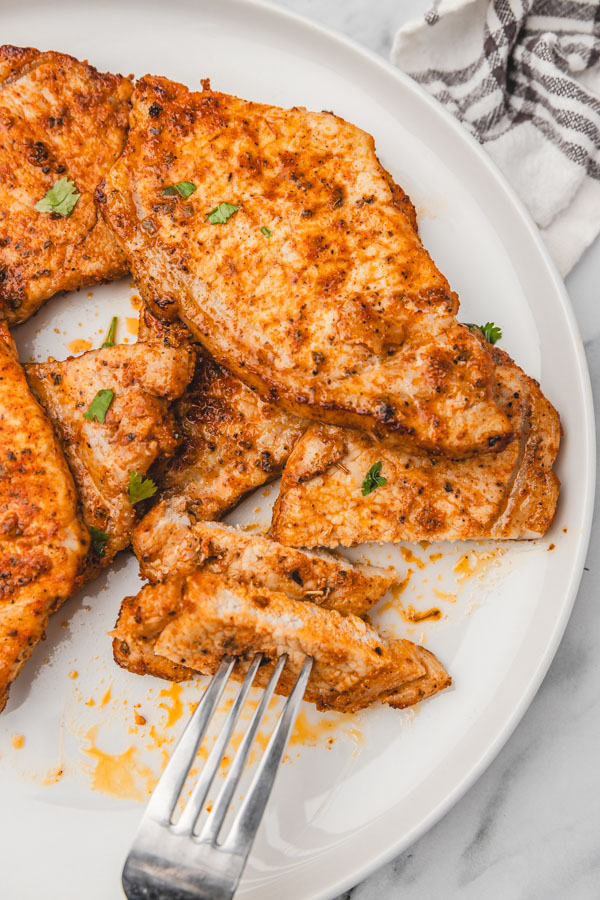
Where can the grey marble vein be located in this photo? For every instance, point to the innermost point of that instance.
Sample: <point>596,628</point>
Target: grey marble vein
<point>529,829</point>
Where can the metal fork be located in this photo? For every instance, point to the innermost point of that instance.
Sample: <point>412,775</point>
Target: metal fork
<point>172,860</point>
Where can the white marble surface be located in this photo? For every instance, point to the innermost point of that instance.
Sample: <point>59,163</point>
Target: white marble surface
<point>529,829</point>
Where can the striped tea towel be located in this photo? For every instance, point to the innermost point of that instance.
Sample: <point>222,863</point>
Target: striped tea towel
<point>524,77</point>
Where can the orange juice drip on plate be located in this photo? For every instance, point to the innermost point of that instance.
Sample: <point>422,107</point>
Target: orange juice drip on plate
<point>308,732</point>
<point>79,345</point>
<point>477,562</point>
<point>175,709</point>
<point>53,776</point>
<point>414,615</point>
<point>410,557</point>
<point>120,775</point>
<point>444,595</point>
<point>106,697</point>
<point>401,586</point>
<point>396,590</point>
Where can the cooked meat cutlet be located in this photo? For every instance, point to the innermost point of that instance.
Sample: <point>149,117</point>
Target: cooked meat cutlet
<point>232,441</point>
<point>207,617</point>
<point>174,545</point>
<point>140,623</point>
<point>294,260</point>
<point>138,427</point>
<point>179,547</point>
<point>511,494</point>
<point>59,119</point>
<point>172,333</point>
<point>43,541</point>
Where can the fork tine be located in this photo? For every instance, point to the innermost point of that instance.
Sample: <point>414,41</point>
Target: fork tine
<point>246,822</point>
<point>163,800</point>
<point>209,770</point>
<point>214,823</point>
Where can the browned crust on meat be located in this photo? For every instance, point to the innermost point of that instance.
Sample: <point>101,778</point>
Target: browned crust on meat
<point>153,328</point>
<point>371,344</point>
<point>403,201</point>
<point>434,679</point>
<point>137,630</point>
<point>507,495</point>
<point>177,546</point>
<point>353,665</point>
<point>232,441</point>
<point>138,429</point>
<point>531,503</point>
<point>42,538</point>
<point>59,118</point>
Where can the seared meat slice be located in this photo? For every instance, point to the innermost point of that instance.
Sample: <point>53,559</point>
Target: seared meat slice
<point>172,545</point>
<point>43,541</point>
<point>137,430</point>
<point>172,333</point>
<point>511,494</point>
<point>233,441</point>
<point>59,119</point>
<point>295,263</point>
<point>209,617</point>
<point>176,546</point>
<point>140,623</point>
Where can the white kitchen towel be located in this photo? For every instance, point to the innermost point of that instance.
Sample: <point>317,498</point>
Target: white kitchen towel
<point>524,77</point>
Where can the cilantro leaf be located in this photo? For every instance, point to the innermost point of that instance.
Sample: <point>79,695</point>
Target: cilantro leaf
<point>112,330</point>
<point>491,332</point>
<point>222,212</point>
<point>99,539</point>
<point>61,198</point>
<point>266,231</point>
<point>183,188</point>
<point>140,488</point>
<point>99,406</point>
<point>373,479</point>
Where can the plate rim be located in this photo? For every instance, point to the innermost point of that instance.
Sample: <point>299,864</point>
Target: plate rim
<point>394,847</point>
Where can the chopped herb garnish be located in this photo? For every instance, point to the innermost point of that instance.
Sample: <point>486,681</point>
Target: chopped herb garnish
<point>61,198</point>
<point>266,231</point>
<point>183,188</point>
<point>491,332</point>
<point>140,488</point>
<point>99,406</point>
<point>99,539</point>
<point>373,479</point>
<point>222,212</point>
<point>112,330</point>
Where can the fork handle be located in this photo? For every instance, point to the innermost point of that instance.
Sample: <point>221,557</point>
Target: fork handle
<point>144,879</point>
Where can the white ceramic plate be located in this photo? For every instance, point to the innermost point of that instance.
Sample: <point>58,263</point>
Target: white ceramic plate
<point>71,795</point>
